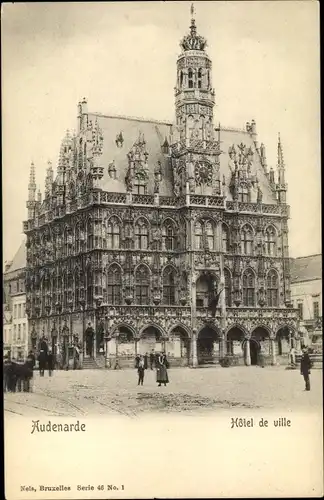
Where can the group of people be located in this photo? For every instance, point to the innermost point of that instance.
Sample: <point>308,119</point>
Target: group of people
<point>159,361</point>
<point>18,374</point>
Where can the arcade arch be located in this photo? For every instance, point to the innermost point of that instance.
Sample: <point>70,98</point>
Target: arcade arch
<point>208,345</point>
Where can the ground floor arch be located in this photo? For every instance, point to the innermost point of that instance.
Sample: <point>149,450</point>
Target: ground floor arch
<point>151,340</point>
<point>234,341</point>
<point>283,341</point>
<point>178,346</point>
<point>208,346</point>
<point>260,346</point>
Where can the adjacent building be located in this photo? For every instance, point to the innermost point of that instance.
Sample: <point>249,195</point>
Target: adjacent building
<point>162,235</point>
<point>15,320</point>
<point>306,295</point>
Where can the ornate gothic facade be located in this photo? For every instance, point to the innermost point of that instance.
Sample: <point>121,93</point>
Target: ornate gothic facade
<point>145,223</point>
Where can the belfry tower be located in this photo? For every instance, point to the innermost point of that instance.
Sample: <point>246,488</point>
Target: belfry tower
<point>195,97</point>
<point>194,103</point>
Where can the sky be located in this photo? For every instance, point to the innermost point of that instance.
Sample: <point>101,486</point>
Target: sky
<point>122,57</point>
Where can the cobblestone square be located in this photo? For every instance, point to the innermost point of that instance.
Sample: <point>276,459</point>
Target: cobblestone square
<point>100,392</point>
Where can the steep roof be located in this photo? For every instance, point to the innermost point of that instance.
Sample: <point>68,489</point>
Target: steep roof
<point>20,259</point>
<point>155,132</point>
<point>306,268</point>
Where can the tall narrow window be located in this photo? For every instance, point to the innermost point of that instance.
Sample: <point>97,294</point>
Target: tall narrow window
<point>247,241</point>
<point>248,289</point>
<point>181,78</point>
<point>300,307</point>
<point>168,236</point>
<point>272,289</point>
<point>199,78</point>
<point>89,287</point>
<point>113,233</point>
<point>190,78</point>
<point>270,241</point>
<point>65,291</point>
<point>210,235</point>
<point>142,284</point>
<point>191,126</point>
<point>77,288</point>
<point>225,238</point>
<point>228,288</point>
<point>201,127</point>
<point>141,235</point>
<point>198,236</point>
<point>243,195</point>
<point>90,235</point>
<point>316,309</point>
<point>168,286</point>
<point>114,285</point>
<point>139,186</point>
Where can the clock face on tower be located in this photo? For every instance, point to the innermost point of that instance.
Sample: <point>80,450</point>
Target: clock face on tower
<point>203,173</point>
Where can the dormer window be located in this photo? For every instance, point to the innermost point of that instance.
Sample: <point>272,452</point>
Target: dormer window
<point>112,170</point>
<point>139,186</point>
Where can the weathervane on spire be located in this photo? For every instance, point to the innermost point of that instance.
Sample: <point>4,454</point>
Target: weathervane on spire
<point>193,41</point>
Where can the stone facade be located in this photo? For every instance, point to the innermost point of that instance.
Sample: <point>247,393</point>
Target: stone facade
<point>306,296</point>
<point>15,321</point>
<point>162,236</point>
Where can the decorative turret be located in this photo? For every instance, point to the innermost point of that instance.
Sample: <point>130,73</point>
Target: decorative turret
<point>82,114</point>
<point>263,158</point>
<point>49,180</point>
<point>137,173</point>
<point>31,203</point>
<point>281,186</point>
<point>195,97</point>
<point>242,179</point>
<point>97,170</point>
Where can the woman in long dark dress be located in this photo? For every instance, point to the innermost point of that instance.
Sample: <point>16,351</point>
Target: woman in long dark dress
<point>161,370</point>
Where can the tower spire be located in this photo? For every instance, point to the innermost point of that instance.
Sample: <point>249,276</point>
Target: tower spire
<point>32,183</point>
<point>31,192</point>
<point>281,185</point>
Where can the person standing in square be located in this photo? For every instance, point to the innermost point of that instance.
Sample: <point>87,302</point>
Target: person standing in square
<point>305,366</point>
<point>141,371</point>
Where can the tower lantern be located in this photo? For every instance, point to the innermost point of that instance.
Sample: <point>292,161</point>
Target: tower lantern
<point>194,96</point>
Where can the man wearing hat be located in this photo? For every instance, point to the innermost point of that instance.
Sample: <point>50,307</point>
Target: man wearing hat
<point>305,366</point>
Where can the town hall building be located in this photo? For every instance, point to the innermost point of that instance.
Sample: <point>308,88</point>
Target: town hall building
<point>162,236</point>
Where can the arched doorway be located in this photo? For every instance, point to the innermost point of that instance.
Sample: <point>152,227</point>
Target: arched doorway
<point>89,341</point>
<point>208,344</point>
<point>260,347</point>
<point>234,343</point>
<point>178,347</point>
<point>151,340</point>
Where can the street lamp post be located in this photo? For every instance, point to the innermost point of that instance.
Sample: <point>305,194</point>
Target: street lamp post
<point>106,339</point>
<point>65,333</point>
<point>82,304</point>
<point>98,301</point>
<point>54,340</point>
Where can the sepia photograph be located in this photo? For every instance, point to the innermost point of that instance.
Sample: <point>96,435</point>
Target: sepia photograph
<point>161,235</point>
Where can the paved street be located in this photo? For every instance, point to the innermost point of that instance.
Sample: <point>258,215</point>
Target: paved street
<point>98,392</point>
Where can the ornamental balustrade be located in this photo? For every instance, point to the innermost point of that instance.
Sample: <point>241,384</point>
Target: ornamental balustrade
<point>143,199</point>
<point>134,310</point>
